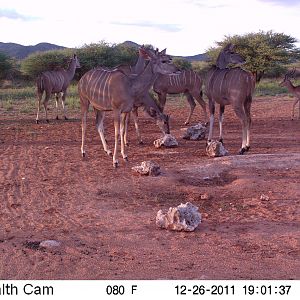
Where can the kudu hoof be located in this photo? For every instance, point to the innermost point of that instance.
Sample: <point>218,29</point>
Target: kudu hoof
<point>66,118</point>
<point>125,158</point>
<point>186,123</point>
<point>83,154</point>
<point>141,142</point>
<point>247,148</point>
<point>57,118</point>
<point>116,164</point>
<point>37,121</point>
<point>242,151</point>
<point>221,141</point>
<point>108,152</point>
<point>47,121</point>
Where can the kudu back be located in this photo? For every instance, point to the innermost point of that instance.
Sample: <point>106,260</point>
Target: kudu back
<point>234,86</point>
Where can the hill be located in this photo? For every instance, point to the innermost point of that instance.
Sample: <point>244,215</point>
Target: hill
<point>19,51</point>
<point>197,57</point>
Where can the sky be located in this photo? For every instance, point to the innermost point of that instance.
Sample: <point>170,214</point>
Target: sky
<point>184,27</point>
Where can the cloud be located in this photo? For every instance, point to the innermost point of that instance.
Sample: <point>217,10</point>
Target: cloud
<point>283,2</point>
<point>13,14</point>
<point>163,27</point>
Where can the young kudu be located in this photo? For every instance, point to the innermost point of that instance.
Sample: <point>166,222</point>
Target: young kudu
<point>112,90</point>
<point>55,82</point>
<point>187,82</point>
<point>230,86</point>
<point>295,90</point>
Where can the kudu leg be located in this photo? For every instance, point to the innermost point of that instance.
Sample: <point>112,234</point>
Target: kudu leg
<point>123,125</point>
<point>63,99</point>
<point>100,127</point>
<point>221,118</point>
<point>240,112</point>
<point>39,98</point>
<point>45,106</point>
<point>56,104</point>
<point>192,104</point>
<point>83,131</point>
<point>134,114</point>
<point>203,105</point>
<point>117,133</point>
<point>211,120</point>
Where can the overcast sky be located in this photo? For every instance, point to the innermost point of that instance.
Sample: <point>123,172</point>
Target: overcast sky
<point>184,27</point>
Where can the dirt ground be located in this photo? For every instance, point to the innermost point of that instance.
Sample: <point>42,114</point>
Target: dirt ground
<point>105,217</point>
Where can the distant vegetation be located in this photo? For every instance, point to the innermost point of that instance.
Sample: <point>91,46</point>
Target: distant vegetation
<point>267,54</point>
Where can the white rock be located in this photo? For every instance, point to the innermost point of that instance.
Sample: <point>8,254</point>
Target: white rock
<point>50,244</point>
<point>216,149</point>
<point>184,217</point>
<point>196,132</point>
<point>148,168</point>
<point>168,141</point>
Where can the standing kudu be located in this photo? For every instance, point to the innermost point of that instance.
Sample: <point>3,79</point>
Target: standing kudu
<point>187,82</point>
<point>230,86</point>
<point>295,90</point>
<point>55,82</point>
<point>115,91</point>
<point>146,101</point>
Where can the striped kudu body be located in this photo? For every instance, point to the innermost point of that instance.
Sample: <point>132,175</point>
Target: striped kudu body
<point>55,82</point>
<point>295,90</point>
<point>230,86</point>
<point>187,82</point>
<point>113,90</point>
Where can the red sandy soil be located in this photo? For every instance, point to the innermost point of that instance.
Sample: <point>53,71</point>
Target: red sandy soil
<point>105,217</point>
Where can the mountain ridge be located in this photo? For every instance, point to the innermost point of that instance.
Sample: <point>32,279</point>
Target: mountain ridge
<point>19,51</point>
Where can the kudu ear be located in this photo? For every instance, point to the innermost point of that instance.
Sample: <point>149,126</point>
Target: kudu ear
<point>163,52</point>
<point>74,55</point>
<point>144,53</point>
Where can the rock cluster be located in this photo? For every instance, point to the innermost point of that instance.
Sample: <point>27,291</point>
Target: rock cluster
<point>148,168</point>
<point>167,141</point>
<point>196,132</point>
<point>215,149</point>
<point>184,217</point>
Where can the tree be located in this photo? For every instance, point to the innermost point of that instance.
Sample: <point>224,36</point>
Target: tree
<point>181,63</point>
<point>263,51</point>
<point>38,62</point>
<point>6,65</point>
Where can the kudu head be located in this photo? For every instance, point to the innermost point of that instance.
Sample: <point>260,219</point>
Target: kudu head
<point>162,120</point>
<point>161,62</point>
<point>287,77</point>
<point>228,56</point>
<point>74,60</point>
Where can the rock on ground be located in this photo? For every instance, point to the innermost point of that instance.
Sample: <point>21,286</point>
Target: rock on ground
<point>168,141</point>
<point>184,217</point>
<point>216,149</point>
<point>196,132</point>
<point>148,168</point>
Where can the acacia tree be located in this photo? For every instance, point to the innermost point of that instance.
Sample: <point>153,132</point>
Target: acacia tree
<point>6,65</point>
<point>263,51</point>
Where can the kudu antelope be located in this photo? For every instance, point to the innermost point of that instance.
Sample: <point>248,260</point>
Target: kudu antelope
<point>295,90</point>
<point>55,82</point>
<point>112,90</point>
<point>146,101</point>
<point>230,86</point>
<point>187,82</point>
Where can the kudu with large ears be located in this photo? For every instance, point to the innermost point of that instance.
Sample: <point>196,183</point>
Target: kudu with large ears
<point>295,90</point>
<point>112,90</point>
<point>55,82</point>
<point>233,86</point>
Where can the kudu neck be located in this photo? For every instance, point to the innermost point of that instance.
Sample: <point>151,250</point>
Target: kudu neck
<point>71,69</point>
<point>145,80</point>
